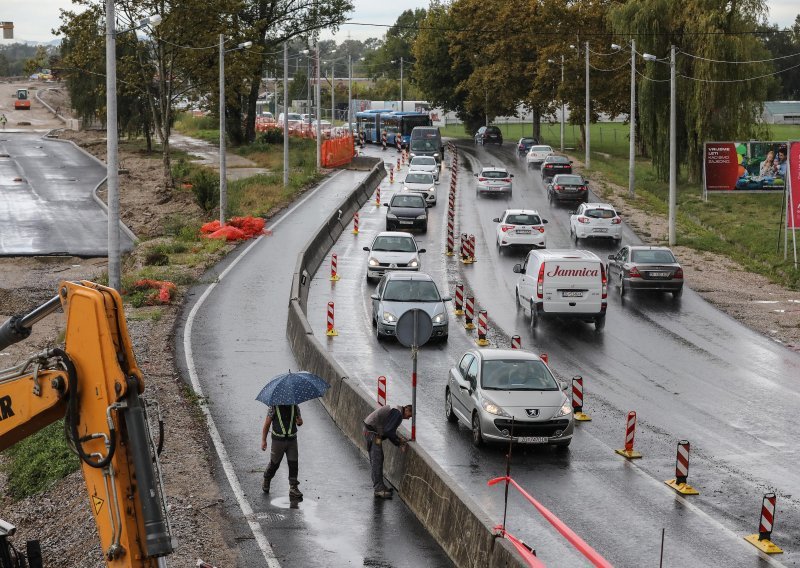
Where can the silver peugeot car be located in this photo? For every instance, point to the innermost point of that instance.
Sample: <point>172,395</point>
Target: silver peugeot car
<point>398,292</point>
<point>499,391</point>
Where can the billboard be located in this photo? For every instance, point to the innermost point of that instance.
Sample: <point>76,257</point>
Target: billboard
<point>793,212</point>
<point>745,166</point>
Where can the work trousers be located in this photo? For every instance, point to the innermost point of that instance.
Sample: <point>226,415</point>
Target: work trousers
<point>375,460</point>
<point>279,449</point>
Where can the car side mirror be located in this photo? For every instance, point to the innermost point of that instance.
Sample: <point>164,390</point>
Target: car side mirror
<point>511,175</point>
<point>473,384</point>
<point>564,385</point>
<point>375,297</point>
<point>421,250</point>
<point>496,219</point>
<point>517,268</point>
<point>366,249</point>
<point>544,221</point>
<point>612,257</point>
<point>476,175</point>
<point>386,205</point>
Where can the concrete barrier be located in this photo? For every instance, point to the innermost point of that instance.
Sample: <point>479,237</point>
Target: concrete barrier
<point>463,530</point>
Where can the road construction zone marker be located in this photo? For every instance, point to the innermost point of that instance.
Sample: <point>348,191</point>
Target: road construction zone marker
<point>544,357</point>
<point>630,431</point>
<point>459,301</point>
<point>378,197</point>
<point>331,332</point>
<point>577,400</point>
<point>398,164</point>
<point>682,471</point>
<point>462,244</point>
<point>469,313</point>
<point>468,251</point>
<point>483,328</point>
<point>762,540</point>
<point>451,239</point>
<point>516,342</point>
<point>382,390</point>
<point>334,266</point>
<point>355,223</point>
<point>391,175</point>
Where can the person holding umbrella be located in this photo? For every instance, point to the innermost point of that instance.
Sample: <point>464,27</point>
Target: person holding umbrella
<point>380,425</point>
<point>283,394</point>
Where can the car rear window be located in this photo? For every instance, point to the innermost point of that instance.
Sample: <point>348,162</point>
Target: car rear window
<point>394,244</point>
<point>600,213</point>
<point>527,141</point>
<point>411,291</point>
<point>494,174</point>
<point>492,130</point>
<point>517,375</point>
<point>422,161</point>
<point>523,219</point>
<point>557,160</point>
<point>541,149</point>
<point>423,145</point>
<point>419,178</point>
<point>569,180</point>
<point>653,257</point>
<point>408,201</point>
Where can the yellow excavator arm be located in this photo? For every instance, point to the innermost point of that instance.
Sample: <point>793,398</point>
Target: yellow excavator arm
<point>96,385</point>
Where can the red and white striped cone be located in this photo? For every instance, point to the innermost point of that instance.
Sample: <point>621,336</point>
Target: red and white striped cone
<point>469,313</point>
<point>334,267</point>
<point>471,249</point>
<point>463,247</point>
<point>630,432</point>
<point>398,164</point>
<point>577,400</point>
<point>355,223</point>
<point>516,342</point>
<point>682,471</point>
<point>451,201</point>
<point>459,299</point>
<point>391,175</point>
<point>331,332</point>
<point>544,357</point>
<point>378,197</point>
<point>762,539</point>
<point>382,390</point>
<point>451,242</point>
<point>483,328</point>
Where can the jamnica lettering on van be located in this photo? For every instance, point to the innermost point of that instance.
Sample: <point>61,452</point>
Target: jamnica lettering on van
<point>558,271</point>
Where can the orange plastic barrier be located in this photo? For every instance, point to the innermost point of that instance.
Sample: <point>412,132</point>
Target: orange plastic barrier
<point>161,291</point>
<point>237,229</point>
<point>337,152</point>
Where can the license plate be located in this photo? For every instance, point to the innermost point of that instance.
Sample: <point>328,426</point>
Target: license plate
<point>571,189</point>
<point>600,230</point>
<point>406,222</point>
<point>659,274</point>
<point>532,440</point>
<point>572,293</point>
<point>523,232</point>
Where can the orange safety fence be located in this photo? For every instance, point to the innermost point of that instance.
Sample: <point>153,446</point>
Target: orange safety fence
<point>577,542</point>
<point>337,152</point>
<point>237,229</point>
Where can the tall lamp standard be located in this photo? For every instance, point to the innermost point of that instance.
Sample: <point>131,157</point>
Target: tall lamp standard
<point>112,141</point>
<point>223,179</point>
<point>632,137</point>
<point>402,100</point>
<point>562,99</point>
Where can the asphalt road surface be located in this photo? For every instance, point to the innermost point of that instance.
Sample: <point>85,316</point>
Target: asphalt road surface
<point>46,204</point>
<point>688,370</point>
<point>237,341</point>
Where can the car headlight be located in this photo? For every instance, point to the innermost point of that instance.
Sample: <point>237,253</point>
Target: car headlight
<point>374,262</point>
<point>414,263</point>
<point>436,155</point>
<point>422,216</point>
<point>492,408</point>
<point>439,318</point>
<point>431,189</point>
<point>565,409</point>
<point>391,216</point>
<point>389,317</point>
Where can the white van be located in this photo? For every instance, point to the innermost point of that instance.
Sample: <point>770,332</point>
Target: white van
<point>566,283</point>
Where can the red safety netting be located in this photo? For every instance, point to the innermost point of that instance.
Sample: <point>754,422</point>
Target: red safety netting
<point>337,152</point>
<point>237,229</point>
<point>162,291</point>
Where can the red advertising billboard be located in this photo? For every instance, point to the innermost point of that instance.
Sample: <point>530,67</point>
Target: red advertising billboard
<point>745,166</point>
<point>793,218</point>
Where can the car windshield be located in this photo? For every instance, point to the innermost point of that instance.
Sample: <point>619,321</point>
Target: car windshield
<point>541,149</point>
<point>557,160</point>
<point>494,174</point>
<point>411,291</point>
<point>408,201</point>
<point>394,244</point>
<point>569,180</point>
<point>527,141</point>
<point>653,257</point>
<point>600,213</point>
<point>423,145</point>
<point>419,178</point>
<point>523,219</point>
<point>517,375</point>
<point>422,161</point>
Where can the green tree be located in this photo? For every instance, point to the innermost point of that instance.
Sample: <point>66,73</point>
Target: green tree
<point>38,61</point>
<point>784,44</point>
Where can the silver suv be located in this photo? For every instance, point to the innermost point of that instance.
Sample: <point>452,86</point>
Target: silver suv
<point>494,180</point>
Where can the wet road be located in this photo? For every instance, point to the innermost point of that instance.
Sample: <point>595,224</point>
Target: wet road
<point>689,371</point>
<point>46,204</point>
<point>338,523</point>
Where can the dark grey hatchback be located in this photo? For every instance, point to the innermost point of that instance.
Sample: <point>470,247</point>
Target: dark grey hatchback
<point>645,268</point>
<point>407,211</point>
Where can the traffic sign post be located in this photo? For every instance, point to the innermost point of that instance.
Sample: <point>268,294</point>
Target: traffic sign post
<point>414,329</point>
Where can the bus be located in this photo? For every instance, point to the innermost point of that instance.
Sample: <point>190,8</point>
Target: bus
<point>369,122</point>
<point>373,122</point>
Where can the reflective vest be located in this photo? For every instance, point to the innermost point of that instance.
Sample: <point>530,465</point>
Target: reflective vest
<point>282,426</point>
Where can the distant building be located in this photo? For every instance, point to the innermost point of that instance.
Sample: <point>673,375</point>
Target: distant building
<point>781,112</point>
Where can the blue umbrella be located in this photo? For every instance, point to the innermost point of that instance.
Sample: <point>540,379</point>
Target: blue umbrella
<point>292,388</point>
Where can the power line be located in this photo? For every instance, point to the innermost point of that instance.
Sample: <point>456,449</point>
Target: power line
<point>740,80</point>
<point>646,78</point>
<point>626,64</point>
<point>739,62</point>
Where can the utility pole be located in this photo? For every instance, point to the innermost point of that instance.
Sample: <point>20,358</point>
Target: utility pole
<point>318,97</point>
<point>333,93</point>
<point>632,148</point>
<point>588,112</point>
<point>285,114</point>
<point>112,150</point>
<point>673,151</point>
<point>223,181</point>
<point>563,106</point>
<point>350,94</point>
<point>401,86</point>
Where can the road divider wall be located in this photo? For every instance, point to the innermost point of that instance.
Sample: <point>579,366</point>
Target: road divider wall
<point>463,530</point>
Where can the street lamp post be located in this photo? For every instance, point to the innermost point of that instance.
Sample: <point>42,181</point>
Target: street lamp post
<point>285,114</point>
<point>318,97</point>
<point>350,94</point>
<point>562,99</point>
<point>402,100</point>
<point>588,112</point>
<point>632,120</point>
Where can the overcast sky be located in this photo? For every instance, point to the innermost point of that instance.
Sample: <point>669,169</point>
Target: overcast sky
<point>33,19</point>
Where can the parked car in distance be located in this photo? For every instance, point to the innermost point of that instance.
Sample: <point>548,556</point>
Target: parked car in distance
<point>595,220</point>
<point>398,292</point>
<point>425,164</point>
<point>407,210</point>
<point>489,135</point>
<point>537,154</point>
<point>524,145</point>
<point>496,391</point>
<point>423,183</point>
<point>392,250</point>
<point>555,164</point>
<point>494,180</point>
<point>520,227</point>
<point>645,268</point>
<point>568,187</point>
<point>294,117</point>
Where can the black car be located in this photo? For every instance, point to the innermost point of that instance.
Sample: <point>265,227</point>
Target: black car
<point>407,211</point>
<point>525,144</point>
<point>568,187</point>
<point>645,268</point>
<point>489,135</point>
<point>553,165</point>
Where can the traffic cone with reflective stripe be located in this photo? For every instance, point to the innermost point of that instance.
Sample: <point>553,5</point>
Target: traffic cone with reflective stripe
<point>682,471</point>
<point>630,431</point>
<point>331,329</point>
<point>762,540</point>
<point>577,400</point>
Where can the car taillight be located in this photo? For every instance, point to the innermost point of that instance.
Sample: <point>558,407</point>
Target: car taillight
<point>557,187</point>
<point>505,228</point>
<point>506,180</point>
<point>605,281</point>
<point>540,229</point>
<point>616,221</point>
<point>583,188</point>
<point>634,273</point>
<point>481,179</point>
<point>540,283</point>
<point>583,219</point>
<point>678,273</point>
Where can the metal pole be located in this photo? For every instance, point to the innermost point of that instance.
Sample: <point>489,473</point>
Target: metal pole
<point>673,153</point>
<point>588,112</point>
<point>318,96</point>
<point>562,102</point>
<point>112,150</point>
<point>632,148</point>
<point>223,180</point>
<point>285,114</point>
<point>414,348</point>
<point>401,86</point>
<point>350,94</point>
<point>333,91</point>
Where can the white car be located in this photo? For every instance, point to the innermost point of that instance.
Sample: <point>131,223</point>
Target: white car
<point>392,250</point>
<point>537,154</point>
<point>494,180</point>
<point>423,183</point>
<point>595,220</point>
<point>520,227</point>
<point>425,164</point>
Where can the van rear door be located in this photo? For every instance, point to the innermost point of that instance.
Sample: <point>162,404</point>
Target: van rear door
<point>573,286</point>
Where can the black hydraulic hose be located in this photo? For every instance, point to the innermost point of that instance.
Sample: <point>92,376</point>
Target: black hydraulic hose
<point>72,417</point>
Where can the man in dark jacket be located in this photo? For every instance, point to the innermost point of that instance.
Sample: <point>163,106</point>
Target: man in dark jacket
<point>284,420</point>
<point>382,425</point>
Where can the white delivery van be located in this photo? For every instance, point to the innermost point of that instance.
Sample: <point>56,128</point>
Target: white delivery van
<point>565,283</point>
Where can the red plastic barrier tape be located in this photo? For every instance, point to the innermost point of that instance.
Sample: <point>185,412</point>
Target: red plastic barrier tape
<point>527,554</point>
